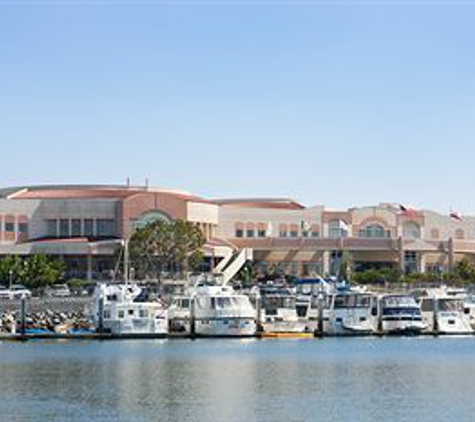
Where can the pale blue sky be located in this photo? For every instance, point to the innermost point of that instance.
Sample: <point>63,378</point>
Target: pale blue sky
<point>343,104</point>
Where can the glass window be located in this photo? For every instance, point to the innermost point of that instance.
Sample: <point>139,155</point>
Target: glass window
<point>23,228</point>
<point>337,229</point>
<point>76,227</point>
<point>9,227</point>
<point>374,231</point>
<point>294,233</point>
<point>51,228</point>
<point>261,233</point>
<point>88,227</point>
<point>143,313</point>
<point>411,230</point>
<point>63,228</point>
<point>239,233</point>
<point>250,233</point>
<point>105,227</point>
<point>121,313</point>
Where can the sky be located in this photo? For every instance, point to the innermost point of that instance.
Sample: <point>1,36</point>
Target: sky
<point>343,103</point>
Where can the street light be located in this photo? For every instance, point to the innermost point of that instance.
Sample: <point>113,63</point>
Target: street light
<point>10,273</point>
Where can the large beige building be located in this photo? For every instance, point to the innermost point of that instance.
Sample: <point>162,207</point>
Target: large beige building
<point>84,225</point>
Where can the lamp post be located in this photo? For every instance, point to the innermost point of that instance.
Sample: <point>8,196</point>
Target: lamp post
<point>10,274</point>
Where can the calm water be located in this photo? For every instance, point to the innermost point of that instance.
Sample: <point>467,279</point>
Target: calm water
<point>422,379</point>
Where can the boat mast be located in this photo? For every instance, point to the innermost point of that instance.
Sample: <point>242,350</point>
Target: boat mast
<point>126,261</point>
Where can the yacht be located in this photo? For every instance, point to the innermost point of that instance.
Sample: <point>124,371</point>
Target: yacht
<point>400,314</point>
<point>123,310</point>
<point>278,312</point>
<point>213,310</point>
<point>345,312</point>
<point>443,313</point>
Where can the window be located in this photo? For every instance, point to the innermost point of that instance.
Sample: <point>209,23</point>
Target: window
<point>250,233</point>
<point>434,233</point>
<point>130,312</point>
<point>63,228</point>
<point>9,227</point>
<point>411,230</point>
<point>374,231</point>
<point>89,227</point>
<point>337,229</point>
<point>76,227</point>
<point>143,313</point>
<point>23,228</point>
<point>283,230</point>
<point>261,233</point>
<point>51,228</point>
<point>294,230</point>
<point>459,234</point>
<point>121,313</point>
<point>105,227</point>
<point>315,233</point>
<point>239,233</point>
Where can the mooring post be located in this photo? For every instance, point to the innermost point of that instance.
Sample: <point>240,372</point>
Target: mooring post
<point>23,315</point>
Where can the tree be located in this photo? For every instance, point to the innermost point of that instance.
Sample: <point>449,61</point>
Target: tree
<point>345,269</point>
<point>166,246</point>
<point>34,271</point>
<point>465,271</point>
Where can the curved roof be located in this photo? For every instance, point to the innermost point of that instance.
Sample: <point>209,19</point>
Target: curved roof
<point>272,203</point>
<point>88,192</point>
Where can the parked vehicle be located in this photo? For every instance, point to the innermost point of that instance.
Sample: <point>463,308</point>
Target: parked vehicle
<point>58,290</point>
<point>17,291</point>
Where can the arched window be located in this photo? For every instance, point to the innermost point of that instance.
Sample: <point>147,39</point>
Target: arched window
<point>337,229</point>
<point>459,234</point>
<point>411,230</point>
<point>374,231</point>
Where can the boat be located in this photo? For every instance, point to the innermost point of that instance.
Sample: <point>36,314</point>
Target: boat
<point>346,312</point>
<point>400,314</point>
<point>123,310</point>
<point>209,309</point>
<point>442,312</point>
<point>278,312</point>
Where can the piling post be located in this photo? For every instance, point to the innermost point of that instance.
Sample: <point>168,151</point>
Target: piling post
<point>192,317</point>
<point>23,315</point>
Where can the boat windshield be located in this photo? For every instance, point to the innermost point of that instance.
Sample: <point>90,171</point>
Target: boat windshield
<point>396,301</point>
<point>352,301</point>
<point>450,305</point>
<point>278,302</point>
<point>223,302</point>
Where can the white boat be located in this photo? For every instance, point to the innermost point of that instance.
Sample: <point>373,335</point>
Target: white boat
<point>347,312</point>
<point>400,314</point>
<point>119,310</point>
<point>212,310</point>
<point>278,312</point>
<point>443,313</point>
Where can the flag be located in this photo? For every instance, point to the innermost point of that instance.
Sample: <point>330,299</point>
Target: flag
<point>456,216</point>
<point>407,211</point>
<point>305,226</point>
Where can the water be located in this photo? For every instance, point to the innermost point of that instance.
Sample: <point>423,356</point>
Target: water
<point>390,379</point>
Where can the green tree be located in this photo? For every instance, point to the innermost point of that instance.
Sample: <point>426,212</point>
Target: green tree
<point>160,246</point>
<point>465,271</point>
<point>34,271</point>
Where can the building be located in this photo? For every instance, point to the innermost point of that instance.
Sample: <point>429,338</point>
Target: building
<point>302,241</point>
<point>85,225</point>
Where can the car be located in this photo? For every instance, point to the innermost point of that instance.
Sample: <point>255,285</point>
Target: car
<point>58,290</point>
<point>18,291</point>
<point>4,293</point>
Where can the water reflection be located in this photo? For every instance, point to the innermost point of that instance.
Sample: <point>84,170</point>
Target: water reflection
<point>327,380</point>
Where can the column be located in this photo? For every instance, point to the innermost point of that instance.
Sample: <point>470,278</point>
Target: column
<point>400,247</point>
<point>451,254</point>
<point>326,263</point>
<point>89,265</point>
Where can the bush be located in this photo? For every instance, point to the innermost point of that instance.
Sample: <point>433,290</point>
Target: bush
<point>376,276</point>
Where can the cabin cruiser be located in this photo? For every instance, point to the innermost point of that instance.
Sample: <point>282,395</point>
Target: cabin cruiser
<point>345,312</point>
<point>443,313</point>
<point>278,312</point>
<point>213,310</point>
<point>400,314</point>
<point>124,310</point>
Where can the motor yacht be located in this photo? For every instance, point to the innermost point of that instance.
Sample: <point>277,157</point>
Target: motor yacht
<point>400,314</point>
<point>124,310</point>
